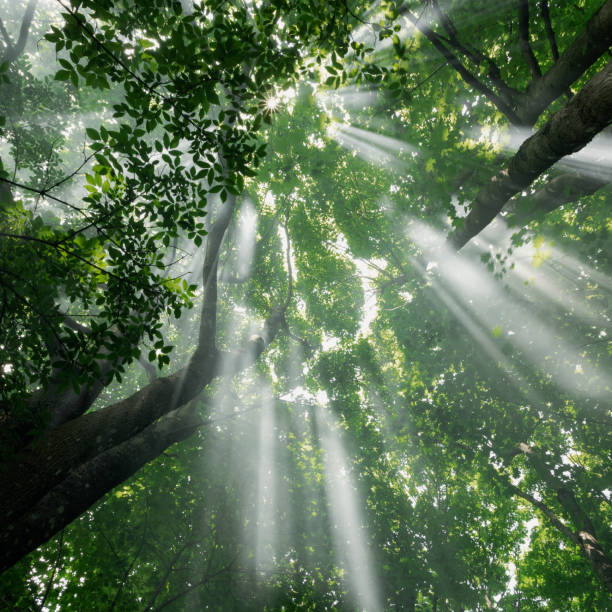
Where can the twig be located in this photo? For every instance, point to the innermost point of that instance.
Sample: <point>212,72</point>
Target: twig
<point>42,315</point>
<point>136,555</point>
<point>150,88</point>
<point>69,176</point>
<point>550,33</point>
<point>205,579</point>
<point>526,50</point>
<point>44,194</point>
<point>55,566</point>
<point>59,247</point>
<point>164,579</point>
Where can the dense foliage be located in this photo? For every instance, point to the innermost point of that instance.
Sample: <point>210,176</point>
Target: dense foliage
<point>305,304</point>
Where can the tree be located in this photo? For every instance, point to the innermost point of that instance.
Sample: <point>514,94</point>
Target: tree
<point>455,439</point>
<point>115,268</point>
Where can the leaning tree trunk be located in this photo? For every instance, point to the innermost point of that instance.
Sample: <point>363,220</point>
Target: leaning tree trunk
<point>566,132</point>
<point>53,480</point>
<point>583,533</point>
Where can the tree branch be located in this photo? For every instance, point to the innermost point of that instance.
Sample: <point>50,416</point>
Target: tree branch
<point>566,132</point>
<point>552,517</point>
<point>476,56</point>
<point>49,586</point>
<point>526,50</point>
<point>550,33</point>
<point>177,555</point>
<point>93,480</point>
<point>136,555</point>
<point>191,587</point>
<point>5,35</point>
<point>586,48</point>
<point>584,536</point>
<point>208,321</point>
<point>465,74</point>
<point>560,190</point>
<point>14,51</point>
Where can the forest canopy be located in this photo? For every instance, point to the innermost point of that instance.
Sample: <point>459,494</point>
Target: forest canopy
<point>304,304</point>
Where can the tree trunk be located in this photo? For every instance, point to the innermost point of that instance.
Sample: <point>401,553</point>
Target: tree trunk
<point>87,483</point>
<point>583,533</point>
<point>566,132</point>
<point>53,480</point>
<point>586,537</point>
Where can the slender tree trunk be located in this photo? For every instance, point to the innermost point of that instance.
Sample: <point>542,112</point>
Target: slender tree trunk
<point>586,537</point>
<point>583,534</point>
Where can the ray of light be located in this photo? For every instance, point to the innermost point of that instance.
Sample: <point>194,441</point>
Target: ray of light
<point>352,97</point>
<point>266,545</point>
<point>371,147</point>
<point>547,270</point>
<point>538,340</point>
<point>595,159</point>
<point>247,226</point>
<point>580,269</point>
<point>386,143</point>
<point>350,536</point>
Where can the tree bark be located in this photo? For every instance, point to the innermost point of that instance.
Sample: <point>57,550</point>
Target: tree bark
<point>524,108</point>
<point>526,50</point>
<point>566,132</point>
<point>53,480</point>
<point>87,483</point>
<point>584,534</point>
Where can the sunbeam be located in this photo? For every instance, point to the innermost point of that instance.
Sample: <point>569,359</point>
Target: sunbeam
<point>348,527</point>
<point>247,226</point>
<point>371,147</point>
<point>595,159</point>
<point>266,545</point>
<point>510,319</point>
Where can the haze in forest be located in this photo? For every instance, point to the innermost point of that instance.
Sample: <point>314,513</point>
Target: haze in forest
<point>305,305</point>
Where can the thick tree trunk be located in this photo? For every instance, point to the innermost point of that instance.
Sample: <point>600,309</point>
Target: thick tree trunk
<point>52,461</point>
<point>43,465</point>
<point>566,132</point>
<point>87,483</point>
<point>53,480</point>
